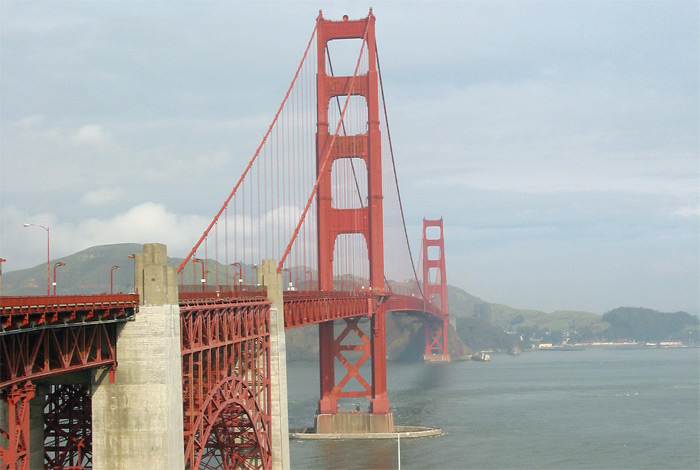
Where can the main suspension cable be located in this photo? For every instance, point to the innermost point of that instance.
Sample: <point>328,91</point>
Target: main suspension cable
<point>396,179</point>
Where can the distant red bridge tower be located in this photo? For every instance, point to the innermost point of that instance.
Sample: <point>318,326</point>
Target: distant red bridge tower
<point>435,290</point>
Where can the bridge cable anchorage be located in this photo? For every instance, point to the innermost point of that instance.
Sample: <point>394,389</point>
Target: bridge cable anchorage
<point>252,160</point>
<point>396,179</point>
<point>327,152</point>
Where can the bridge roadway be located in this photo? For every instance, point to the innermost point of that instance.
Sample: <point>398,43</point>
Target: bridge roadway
<point>302,308</point>
<point>51,335</point>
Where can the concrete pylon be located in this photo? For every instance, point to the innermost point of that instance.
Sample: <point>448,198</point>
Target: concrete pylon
<point>137,420</point>
<point>279,422</point>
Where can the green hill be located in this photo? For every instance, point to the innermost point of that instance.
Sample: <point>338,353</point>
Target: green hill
<point>88,272</point>
<point>85,272</point>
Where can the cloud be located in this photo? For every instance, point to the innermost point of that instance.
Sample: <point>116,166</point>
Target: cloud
<point>550,136</point>
<point>30,122</point>
<point>91,134</point>
<point>103,196</point>
<point>144,223</point>
<point>688,211</point>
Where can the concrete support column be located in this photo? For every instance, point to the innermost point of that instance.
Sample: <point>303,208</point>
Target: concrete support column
<point>268,276</point>
<point>36,427</point>
<point>137,420</point>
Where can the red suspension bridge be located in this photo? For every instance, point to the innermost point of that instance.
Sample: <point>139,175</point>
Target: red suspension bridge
<point>319,196</point>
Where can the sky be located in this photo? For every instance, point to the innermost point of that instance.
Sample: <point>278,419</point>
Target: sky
<point>559,140</point>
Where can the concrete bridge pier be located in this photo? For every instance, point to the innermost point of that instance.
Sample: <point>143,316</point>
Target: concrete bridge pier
<point>268,276</point>
<point>137,418</point>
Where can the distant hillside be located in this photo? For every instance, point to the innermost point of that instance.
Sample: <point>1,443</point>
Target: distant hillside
<point>483,325</point>
<point>644,324</point>
<point>85,272</point>
<point>464,304</point>
<point>88,272</point>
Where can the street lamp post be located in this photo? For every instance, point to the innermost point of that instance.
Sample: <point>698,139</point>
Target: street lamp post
<point>240,274</point>
<point>48,256</point>
<point>2,260</point>
<point>289,271</point>
<point>133,256</point>
<point>308,271</point>
<point>197,260</point>
<point>56,265</point>
<point>255,268</point>
<point>111,277</point>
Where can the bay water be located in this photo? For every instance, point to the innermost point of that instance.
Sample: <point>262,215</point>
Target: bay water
<point>590,409</point>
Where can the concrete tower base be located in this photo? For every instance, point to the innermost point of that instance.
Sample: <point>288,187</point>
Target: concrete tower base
<point>279,414</point>
<point>137,420</point>
<point>354,422</point>
<point>436,357</point>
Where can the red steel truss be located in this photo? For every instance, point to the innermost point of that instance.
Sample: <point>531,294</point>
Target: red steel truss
<point>68,428</point>
<point>308,307</point>
<point>226,382</point>
<point>45,336</point>
<point>16,456</point>
<point>435,292</point>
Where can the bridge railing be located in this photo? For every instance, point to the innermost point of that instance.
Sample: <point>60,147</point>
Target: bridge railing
<point>190,294</point>
<point>309,307</point>
<point>410,303</point>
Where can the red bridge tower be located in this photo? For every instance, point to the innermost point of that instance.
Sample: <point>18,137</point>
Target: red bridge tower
<point>366,220</point>
<point>436,292</point>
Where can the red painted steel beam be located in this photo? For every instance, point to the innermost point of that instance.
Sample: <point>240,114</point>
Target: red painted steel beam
<point>213,295</point>
<point>307,308</point>
<point>408,303</point>
<point>16,455</point>
<point>225,345</point>
<point>47,352</point>
<point>68,427</point>
<point>17,313</point>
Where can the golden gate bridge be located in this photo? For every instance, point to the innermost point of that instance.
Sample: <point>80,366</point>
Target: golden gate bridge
<point>320,197</point>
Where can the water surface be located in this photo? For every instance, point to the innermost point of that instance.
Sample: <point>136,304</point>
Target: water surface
<point>592,409</point>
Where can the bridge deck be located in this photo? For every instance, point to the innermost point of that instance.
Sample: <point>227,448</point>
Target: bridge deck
<point>19,313</point>
<point>50,335</point>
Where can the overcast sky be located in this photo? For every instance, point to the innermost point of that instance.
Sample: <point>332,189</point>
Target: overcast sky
<point>559,140</point>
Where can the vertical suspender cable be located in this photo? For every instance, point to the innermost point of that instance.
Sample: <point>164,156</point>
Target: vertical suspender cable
<point>250,163</point>
<point>393,164</point>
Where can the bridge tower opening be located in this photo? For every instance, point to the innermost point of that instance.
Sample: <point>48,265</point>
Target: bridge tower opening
<point>335,220</point>
<point>435,290</point>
